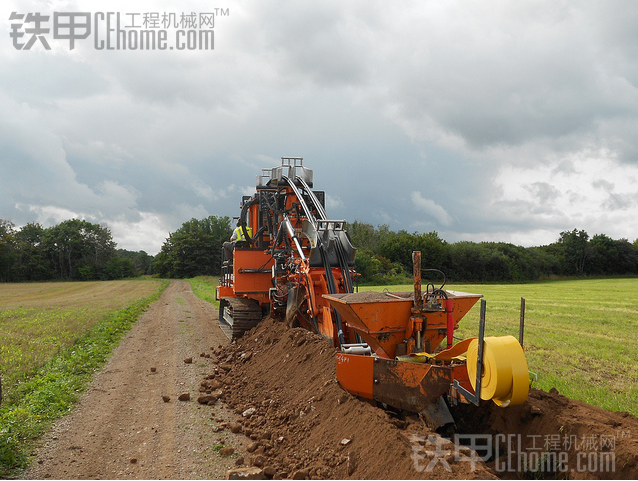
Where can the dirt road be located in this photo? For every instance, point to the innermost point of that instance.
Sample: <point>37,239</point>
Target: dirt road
<point>122,428</point>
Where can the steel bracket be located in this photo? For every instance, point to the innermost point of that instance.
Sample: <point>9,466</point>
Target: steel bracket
<point>476,397</point>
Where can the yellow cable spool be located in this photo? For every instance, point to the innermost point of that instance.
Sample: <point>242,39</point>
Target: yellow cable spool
<point>505,378</point>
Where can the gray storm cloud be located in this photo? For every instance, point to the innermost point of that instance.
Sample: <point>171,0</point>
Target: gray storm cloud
<point>478,120</point>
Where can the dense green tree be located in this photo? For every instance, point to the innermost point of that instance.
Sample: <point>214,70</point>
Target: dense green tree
<point>573,254</point>
<point>611,257</point>
<point>398,247</point>
<point>627,257</point>
<point>576,250</point>
<point>79,249</point>
<point>367,265</point>
<point>32,262</point>
<point>376,269</point>
<point>142,262</point>
<point>74,249</point>
<point>366,236</point>
<point>194,249</point>
<point>466,261</point>
<point>118,267</point>
<point>546,261</point>
<point>7,249</point>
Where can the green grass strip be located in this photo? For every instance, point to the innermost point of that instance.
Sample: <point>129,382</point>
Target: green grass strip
<point>204,288</point>
<point>53,389</point>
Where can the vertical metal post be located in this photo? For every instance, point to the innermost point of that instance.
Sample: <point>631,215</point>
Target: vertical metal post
<point>416,271</point>
<point>479,361</point>
<point>476,397</point>
<point>449,307</point>
<point>418,300</point>
<point>522,325</point>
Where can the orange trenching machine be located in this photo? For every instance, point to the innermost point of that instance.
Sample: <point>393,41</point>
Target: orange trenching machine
<point>395,348</point>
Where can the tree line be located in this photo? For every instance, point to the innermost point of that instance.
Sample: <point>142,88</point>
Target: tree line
<point>384,256</point>
<point>71,250</point>
<point>79,250</point>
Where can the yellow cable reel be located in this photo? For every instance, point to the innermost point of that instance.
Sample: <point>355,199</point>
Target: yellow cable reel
<point>505,378</point>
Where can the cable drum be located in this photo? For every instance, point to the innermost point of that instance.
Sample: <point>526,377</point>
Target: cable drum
<point>505,378</point>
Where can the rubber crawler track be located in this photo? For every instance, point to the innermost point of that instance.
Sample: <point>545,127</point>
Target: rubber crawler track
<point>241,316</point>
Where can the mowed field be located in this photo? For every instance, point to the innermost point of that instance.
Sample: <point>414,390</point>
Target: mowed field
<point>39,320</point>
<point>581,336</point>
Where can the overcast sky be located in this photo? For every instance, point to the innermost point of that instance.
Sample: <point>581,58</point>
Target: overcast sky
<point>484,121</point>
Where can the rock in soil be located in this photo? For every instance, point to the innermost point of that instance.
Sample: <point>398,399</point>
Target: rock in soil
<point>235,427</point>
<point>252,447</point>
<point>207,399</point>
<point>301,474</point>
<point>245,473</point>
<point>226,451</point>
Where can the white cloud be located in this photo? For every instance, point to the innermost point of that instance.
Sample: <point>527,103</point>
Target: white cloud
<point>333,202</point>
<point>431,209</point>
<point>49,215</point>
<point>599,195</point>
<point>147,234</point>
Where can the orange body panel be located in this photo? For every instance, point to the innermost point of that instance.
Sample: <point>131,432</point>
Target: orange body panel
<point>224,291</point>
<point>461,375</point>
<point>247,282</point>
<point>326,326</point>
<point>381,324</point>
<point>354,373</point>
<point>407,385</point>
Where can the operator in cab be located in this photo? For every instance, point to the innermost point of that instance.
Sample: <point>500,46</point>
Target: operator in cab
<point>238,235</point>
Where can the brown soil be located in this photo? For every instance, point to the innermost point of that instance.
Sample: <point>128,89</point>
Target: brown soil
<point>372,296</point>
<point>594,443</point>
<point>304,425</point>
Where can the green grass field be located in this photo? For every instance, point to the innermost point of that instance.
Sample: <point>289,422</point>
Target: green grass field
<point>581,336</point>
<point>53,337</point>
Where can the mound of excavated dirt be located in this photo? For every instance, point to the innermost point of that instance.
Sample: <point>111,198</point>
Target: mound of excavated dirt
<point>579,441</point>
<point>282,386</point>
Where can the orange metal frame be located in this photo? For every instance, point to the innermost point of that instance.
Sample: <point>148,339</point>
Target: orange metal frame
<point>256,285</point>
<point>420,384</point>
